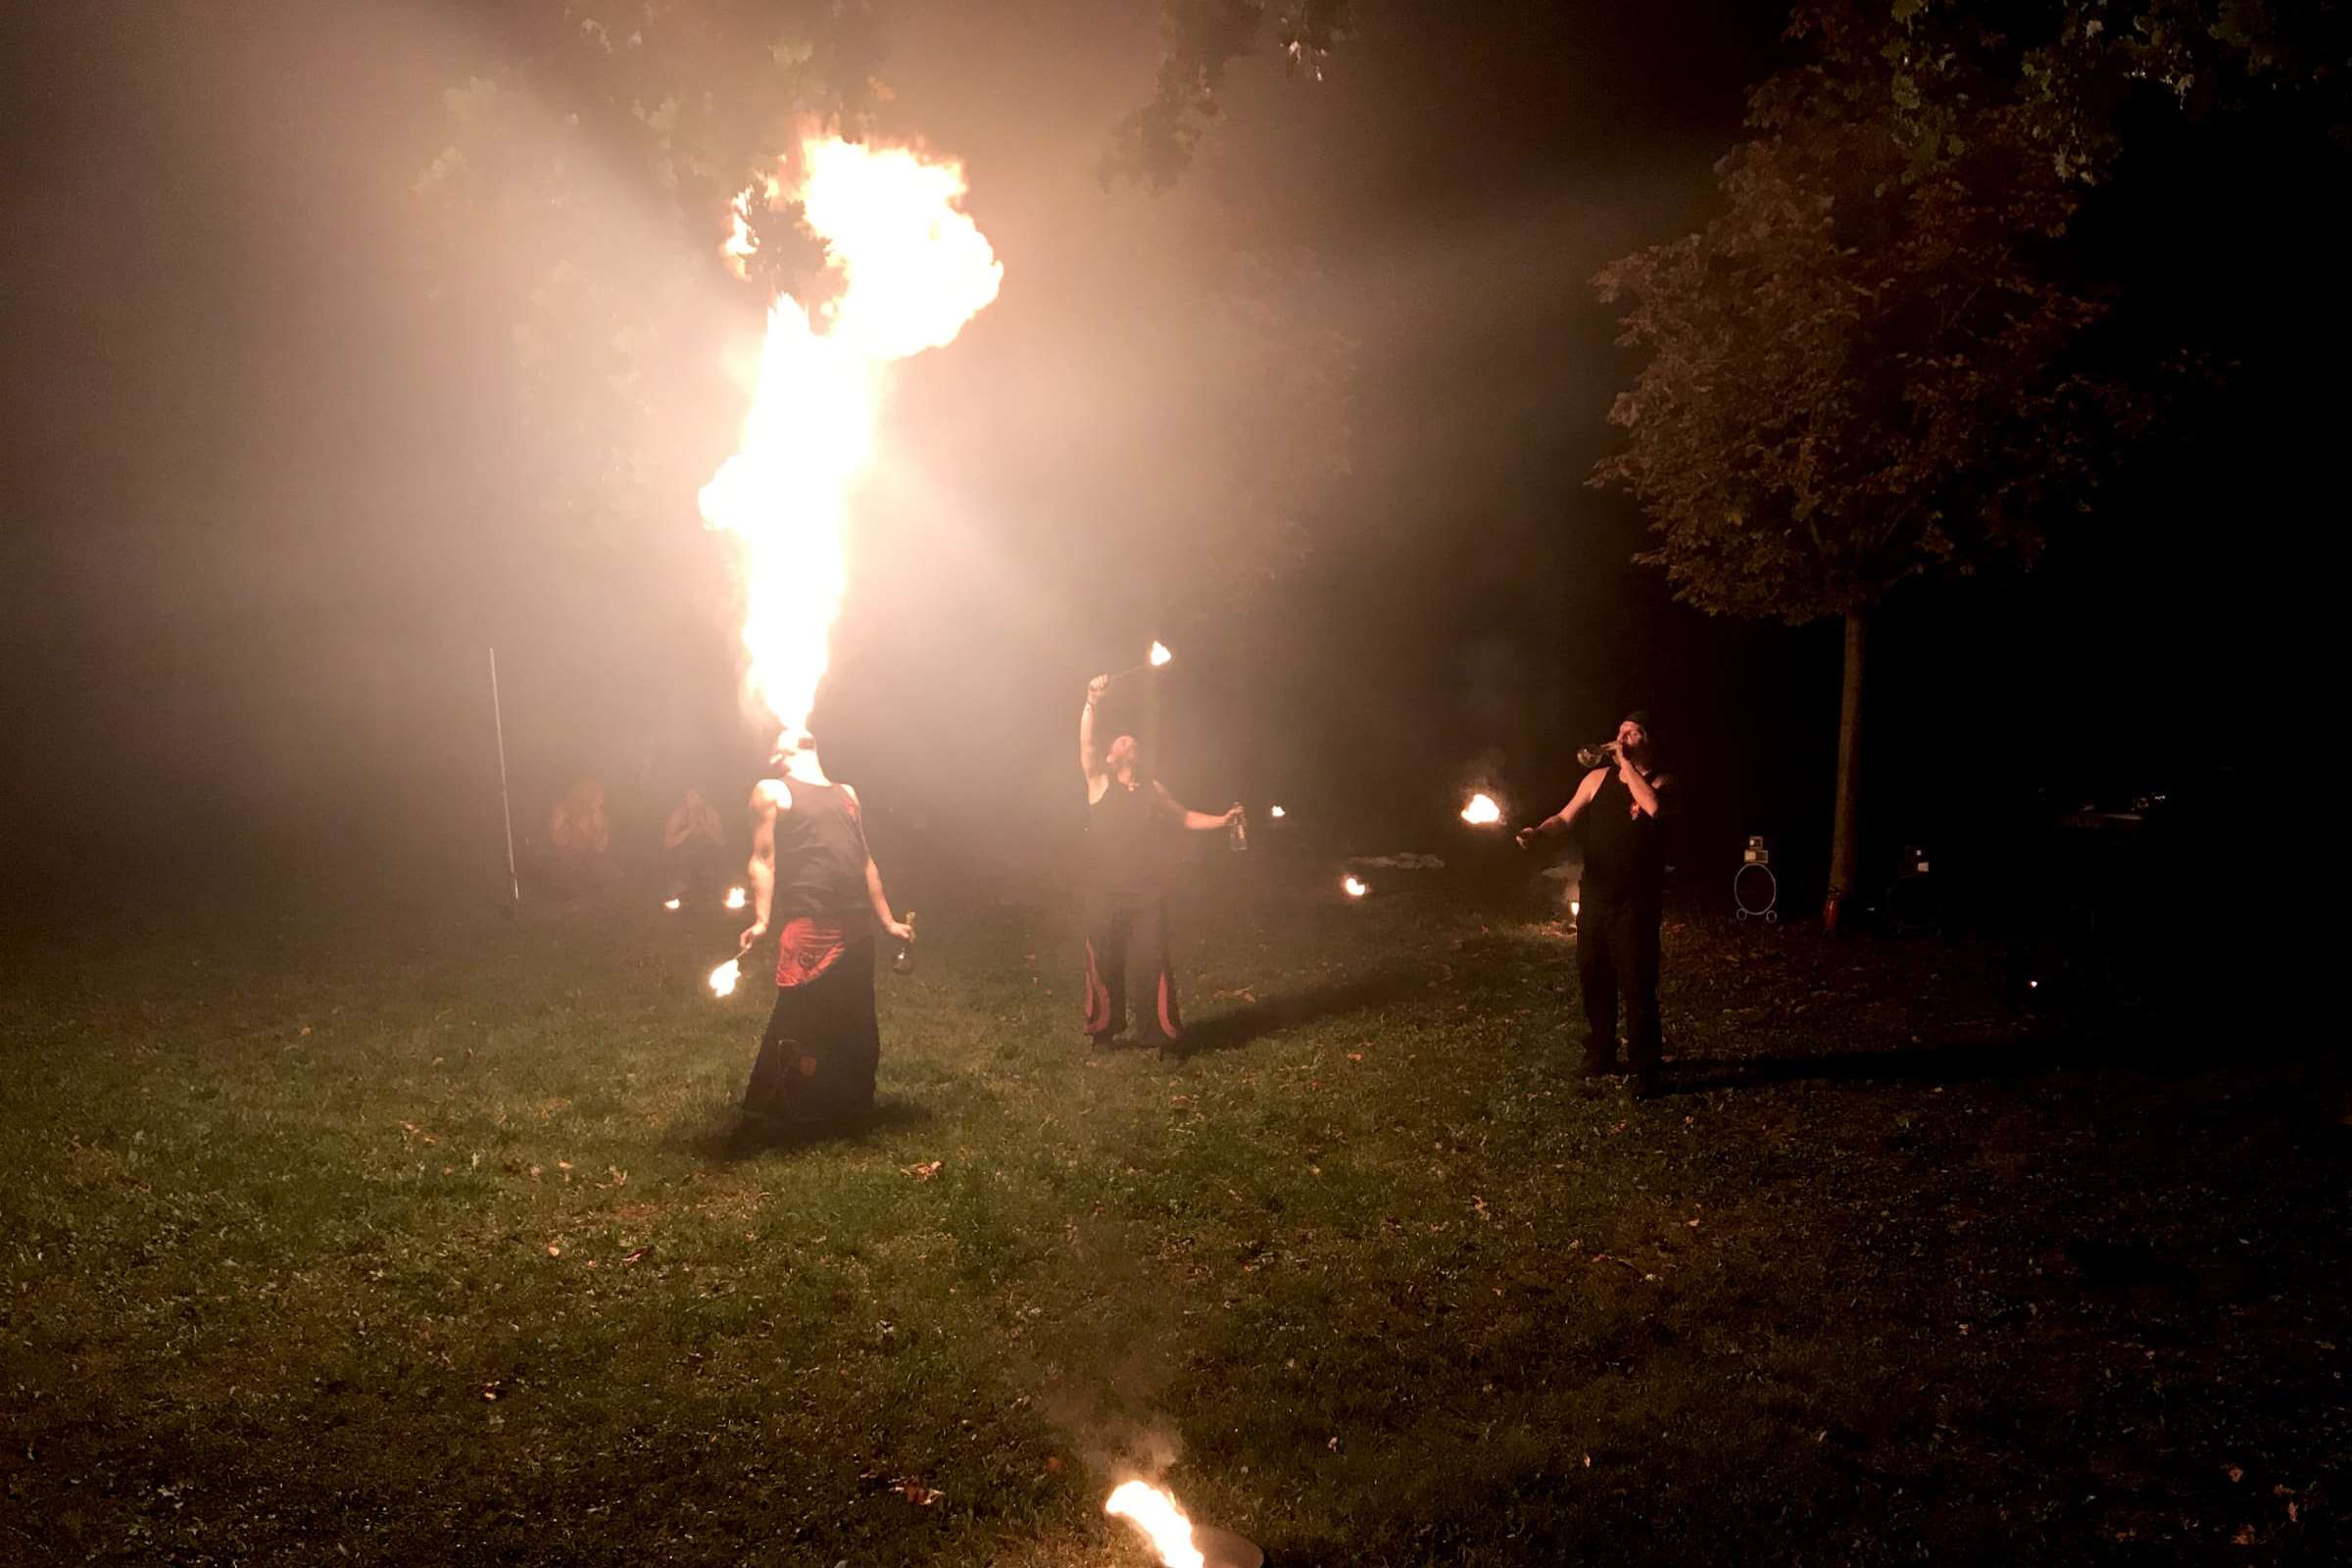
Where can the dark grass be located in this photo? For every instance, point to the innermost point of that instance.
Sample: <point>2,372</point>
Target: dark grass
<point>330,1250</point>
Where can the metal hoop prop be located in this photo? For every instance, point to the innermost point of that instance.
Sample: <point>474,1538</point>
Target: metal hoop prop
<point>1751,900</point>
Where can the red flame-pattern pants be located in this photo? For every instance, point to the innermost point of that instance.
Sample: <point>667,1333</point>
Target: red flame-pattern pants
<point>1126,937</point>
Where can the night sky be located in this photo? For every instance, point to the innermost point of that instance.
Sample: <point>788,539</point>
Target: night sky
<point>260,533</point>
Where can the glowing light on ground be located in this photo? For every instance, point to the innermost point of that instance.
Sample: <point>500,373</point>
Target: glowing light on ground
<point>1155,1514</point>
<point>1482,811</point>
<point>1355,887</point>
<point>1276,811</point>
<point>670,904</point>
<point>1160,654</point>
<point>735,898</point>
<point>723,978</point>
<point>913,270</point>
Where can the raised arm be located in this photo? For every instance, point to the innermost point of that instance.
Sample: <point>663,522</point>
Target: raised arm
<point>1090,760</point>
<point>1649,794</point>
<point>769,797</point>
<point>1562,820</point>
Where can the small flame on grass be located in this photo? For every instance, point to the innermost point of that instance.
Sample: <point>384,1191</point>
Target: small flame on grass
<point>1482,811</point>
<point>734,898</point>
<point>1355,887</point>
<point>723,978</point>
<point>1160,654</point>
<point>670,903</point>
<point>1276,810</point>
<point>1155,1514</point>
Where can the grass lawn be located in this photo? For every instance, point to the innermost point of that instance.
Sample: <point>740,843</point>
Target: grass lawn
<point>326,1250</point>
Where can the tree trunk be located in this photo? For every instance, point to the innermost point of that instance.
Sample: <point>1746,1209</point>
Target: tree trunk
<point>1846,837</point>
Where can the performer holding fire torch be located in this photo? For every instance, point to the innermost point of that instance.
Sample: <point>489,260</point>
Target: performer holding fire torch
<point>1128,816</point>
<point>812,872</point>
<point>1619,803</point>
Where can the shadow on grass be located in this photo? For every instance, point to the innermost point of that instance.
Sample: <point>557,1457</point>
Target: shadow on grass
<point>1973,1061</point>
<point>733,1137</point>
<point>1230,1031</point>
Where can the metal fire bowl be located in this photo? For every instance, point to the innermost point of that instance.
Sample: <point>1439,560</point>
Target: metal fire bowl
<point>1222,1548</point>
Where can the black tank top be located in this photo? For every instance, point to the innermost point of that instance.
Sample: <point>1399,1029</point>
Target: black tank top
<point>1624,855</point>
<point>1122,840</point>
<point>821,855</point>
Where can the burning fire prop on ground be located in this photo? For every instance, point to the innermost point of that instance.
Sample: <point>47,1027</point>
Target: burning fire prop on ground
<point>912,270</point>
<point>735,898</point>
<point>1482,811</point>
<point>1179,1543</point>
<point>1355,887</point>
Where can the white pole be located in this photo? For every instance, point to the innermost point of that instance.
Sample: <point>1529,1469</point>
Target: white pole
<point>507,805</point>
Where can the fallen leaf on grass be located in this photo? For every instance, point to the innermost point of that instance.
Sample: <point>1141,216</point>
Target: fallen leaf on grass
<point>553,1250</point>
<point>917,1493</point>
<point>922,1172</point>
<point>638,1255</point>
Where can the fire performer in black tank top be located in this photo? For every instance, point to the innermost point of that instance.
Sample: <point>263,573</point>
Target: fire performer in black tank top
<point>813,877</point>
<point>1620,900</point>
<point>1129,815</point>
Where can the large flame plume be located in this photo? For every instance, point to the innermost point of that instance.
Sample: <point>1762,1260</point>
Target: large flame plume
<point>912,270</point>
<point>1155,1514</point>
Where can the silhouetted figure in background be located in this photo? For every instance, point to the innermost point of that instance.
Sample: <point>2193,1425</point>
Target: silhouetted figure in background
<point>693,847</point>
<point>1129,815</point>
<point>580,838</point>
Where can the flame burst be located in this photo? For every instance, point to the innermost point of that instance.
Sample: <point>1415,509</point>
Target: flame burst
<point>723,978</point>
<point>913,270</point>
<point>1355,887</point>
<point>1160,654</point>
<point>1155,1514</point>
<point>1482,811</point>
<point>734,898</point>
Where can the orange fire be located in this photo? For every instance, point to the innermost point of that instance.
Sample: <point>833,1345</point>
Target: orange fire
<point>723,978</point>
<point>1160,654</point>
<point>1155,1514</point>
<point>914,269</point>
<point>1482,811</point>
<point>671,904</point>
<point>734,898</point>
<point>1275,810</point>
<point>1355,887</point>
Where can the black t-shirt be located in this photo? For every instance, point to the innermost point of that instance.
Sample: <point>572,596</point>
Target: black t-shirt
<point>821,855</point>
<point>1624,853</point>
<point>1124,838</point>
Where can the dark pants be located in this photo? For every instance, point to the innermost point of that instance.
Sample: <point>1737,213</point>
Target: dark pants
<point>816,1061</point>
<point>1617,951</point>
<point>1124,935</point>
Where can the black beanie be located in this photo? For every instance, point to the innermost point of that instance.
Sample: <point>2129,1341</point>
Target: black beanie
<point>1641,717</point>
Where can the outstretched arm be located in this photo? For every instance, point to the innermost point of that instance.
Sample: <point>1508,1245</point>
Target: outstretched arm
<point>1562,820</point>
<point>1197,822</point>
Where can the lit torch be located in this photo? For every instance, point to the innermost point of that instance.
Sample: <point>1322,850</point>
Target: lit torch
<point>671,904</point>
<point>1179,1543</point>
<point>734,898</point>
<point>1355,887</point>
<point>1276,811</point>
<point>1159,655</point>
<point>723,978</point>
<point>1482,811</point>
